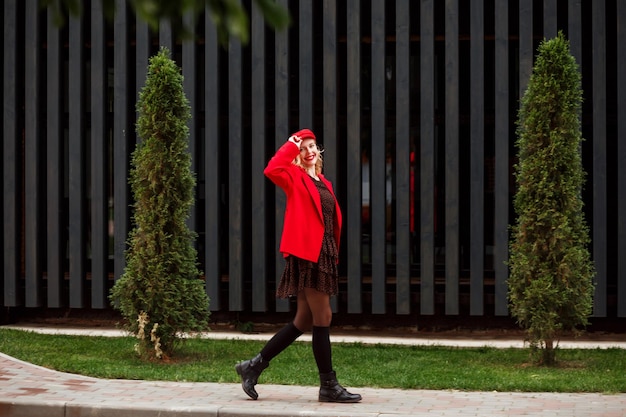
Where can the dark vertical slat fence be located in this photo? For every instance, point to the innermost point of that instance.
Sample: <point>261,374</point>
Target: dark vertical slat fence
<point>99,161</point>
<point>525,48</point>
<point>621,149</point>
<point>142,56</point>
<point>81,140</point>
<point>477,157</point>
<point>235,177</point>
<point>305,70</point>
<point>525,59</point>
<point>2,46</point>
<point>305,66</point>
<point>32,153</point>
<point>212,155</point>
<point>190,80</point>
<point>549,19</point>
<point>378,160</point>
<point>599,227</point>
<point>121,128</point>
<point>282,132</point>
<point>452,157</point>
<point>427,157</point>
<point>404,178</point>
<point>54,163</point>
<point>574,29</point>
<point>258,181</point>
<point>166,37</point>
<point>76,164</point>
<point>353,157</point>
<point>11,157</point>
<point>329,73</point>
<point>502,140</point>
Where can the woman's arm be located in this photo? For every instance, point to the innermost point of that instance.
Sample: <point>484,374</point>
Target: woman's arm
<point>279,168</point>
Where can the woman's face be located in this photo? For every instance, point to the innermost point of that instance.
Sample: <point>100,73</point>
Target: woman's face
<point>309,152</point>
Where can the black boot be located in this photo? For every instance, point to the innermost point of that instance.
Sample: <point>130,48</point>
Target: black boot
<point>332,392</point>
<point>249,371</point>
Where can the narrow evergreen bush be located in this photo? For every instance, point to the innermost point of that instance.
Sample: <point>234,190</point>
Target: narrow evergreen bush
<point>551,273</point>
<point>160,293</point>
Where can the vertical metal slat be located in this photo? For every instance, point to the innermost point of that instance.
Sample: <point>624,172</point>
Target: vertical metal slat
<point>76,164</point>
<point>166,36</point>
<point>142,56</point>
<point>13,295</point>
<point>121,126</point>
<point>621,169</point>
<point>330,89</point>
<point>235,178</point>
<point>427,157</point>
<point>212,190</point>
<point>452,157</point>
<point>353,157</point>
<point>574,29</point>
<point>305,70</point>
<point>526,49</point>
<point>99,161</point>
<point>258,181</point>
<point>378,160</point>
<point>599,237</point>
<point>190,81</point>
<point>501,186</point>
<point>477,156</point>
<point>55,167</point>
<point>32,157</point>
<point>329,99</point>
<point>549,19</point>
<point>281,115</point>
<point>403,161</point>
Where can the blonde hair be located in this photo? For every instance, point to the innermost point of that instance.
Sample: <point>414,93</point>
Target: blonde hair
<point>318,164</point>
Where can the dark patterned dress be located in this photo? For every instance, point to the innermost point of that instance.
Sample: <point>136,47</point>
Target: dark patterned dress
<point>323,275</point>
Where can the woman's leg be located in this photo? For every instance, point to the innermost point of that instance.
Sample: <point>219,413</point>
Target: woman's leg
<point>319,304</point>
<point>280,341</point>
<point>302,322</point>
<point>250,370</point>
<point>304,318</point>
<point>330,389</point>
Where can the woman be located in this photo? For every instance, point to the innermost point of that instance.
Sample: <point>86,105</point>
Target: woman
<point>310,243</point>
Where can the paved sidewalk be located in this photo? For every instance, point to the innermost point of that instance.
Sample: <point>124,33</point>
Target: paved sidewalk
<point>27,390</point>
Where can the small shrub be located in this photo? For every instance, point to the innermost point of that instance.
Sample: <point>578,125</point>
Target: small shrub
<point>550,283</point>
<point>160,293</point>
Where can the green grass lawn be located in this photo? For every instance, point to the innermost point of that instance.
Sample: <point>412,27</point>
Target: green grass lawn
<point>357,365</point>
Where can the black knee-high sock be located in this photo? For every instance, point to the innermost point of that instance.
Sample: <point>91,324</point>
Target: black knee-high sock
<point>321,349</point>
<point>283,338</point>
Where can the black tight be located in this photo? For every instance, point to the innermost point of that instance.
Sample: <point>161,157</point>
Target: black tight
<point>280,341</point>
<point>313,313</point>
<point>321,349</point>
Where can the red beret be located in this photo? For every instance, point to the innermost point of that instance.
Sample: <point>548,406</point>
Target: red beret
<point>305,134</point>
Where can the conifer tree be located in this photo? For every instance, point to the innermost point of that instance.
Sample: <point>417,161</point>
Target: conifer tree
<point>160,293</point>
<point>551,273</point>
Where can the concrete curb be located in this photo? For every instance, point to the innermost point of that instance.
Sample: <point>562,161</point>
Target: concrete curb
<point>26,408</point>
<point>405,341</point>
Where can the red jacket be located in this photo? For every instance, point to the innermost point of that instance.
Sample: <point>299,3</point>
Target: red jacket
<point>303,227</point>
